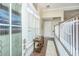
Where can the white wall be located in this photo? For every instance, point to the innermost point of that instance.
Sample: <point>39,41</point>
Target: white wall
<point>45,14</point>
<point>55,21</point>
<point>48,29</point>
<point>53,13</point>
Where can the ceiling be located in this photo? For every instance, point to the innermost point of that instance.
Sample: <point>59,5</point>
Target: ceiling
<point>65,6</point>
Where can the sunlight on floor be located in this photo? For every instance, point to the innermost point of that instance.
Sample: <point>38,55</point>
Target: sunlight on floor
<point>51,51</point>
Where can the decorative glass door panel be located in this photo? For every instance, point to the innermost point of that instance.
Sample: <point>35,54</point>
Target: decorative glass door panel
<point>4,30</point>
<point>16,30</point>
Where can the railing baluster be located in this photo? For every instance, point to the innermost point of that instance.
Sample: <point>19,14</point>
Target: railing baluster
<point>68,34</point>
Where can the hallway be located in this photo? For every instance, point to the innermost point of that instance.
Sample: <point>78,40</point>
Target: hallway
<point>39,29</point>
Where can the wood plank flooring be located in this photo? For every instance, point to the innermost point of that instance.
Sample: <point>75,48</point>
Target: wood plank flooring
<point>43,51</point>
<point>48,49</point>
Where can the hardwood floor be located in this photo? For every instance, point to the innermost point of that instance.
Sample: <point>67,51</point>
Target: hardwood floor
<point>43,51</point>
<point>49,48</point>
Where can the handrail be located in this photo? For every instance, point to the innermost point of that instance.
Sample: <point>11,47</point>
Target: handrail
<point>73,16</point>
<point>68,25</point>
<point>68,19</point>
<point>63,46</point>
